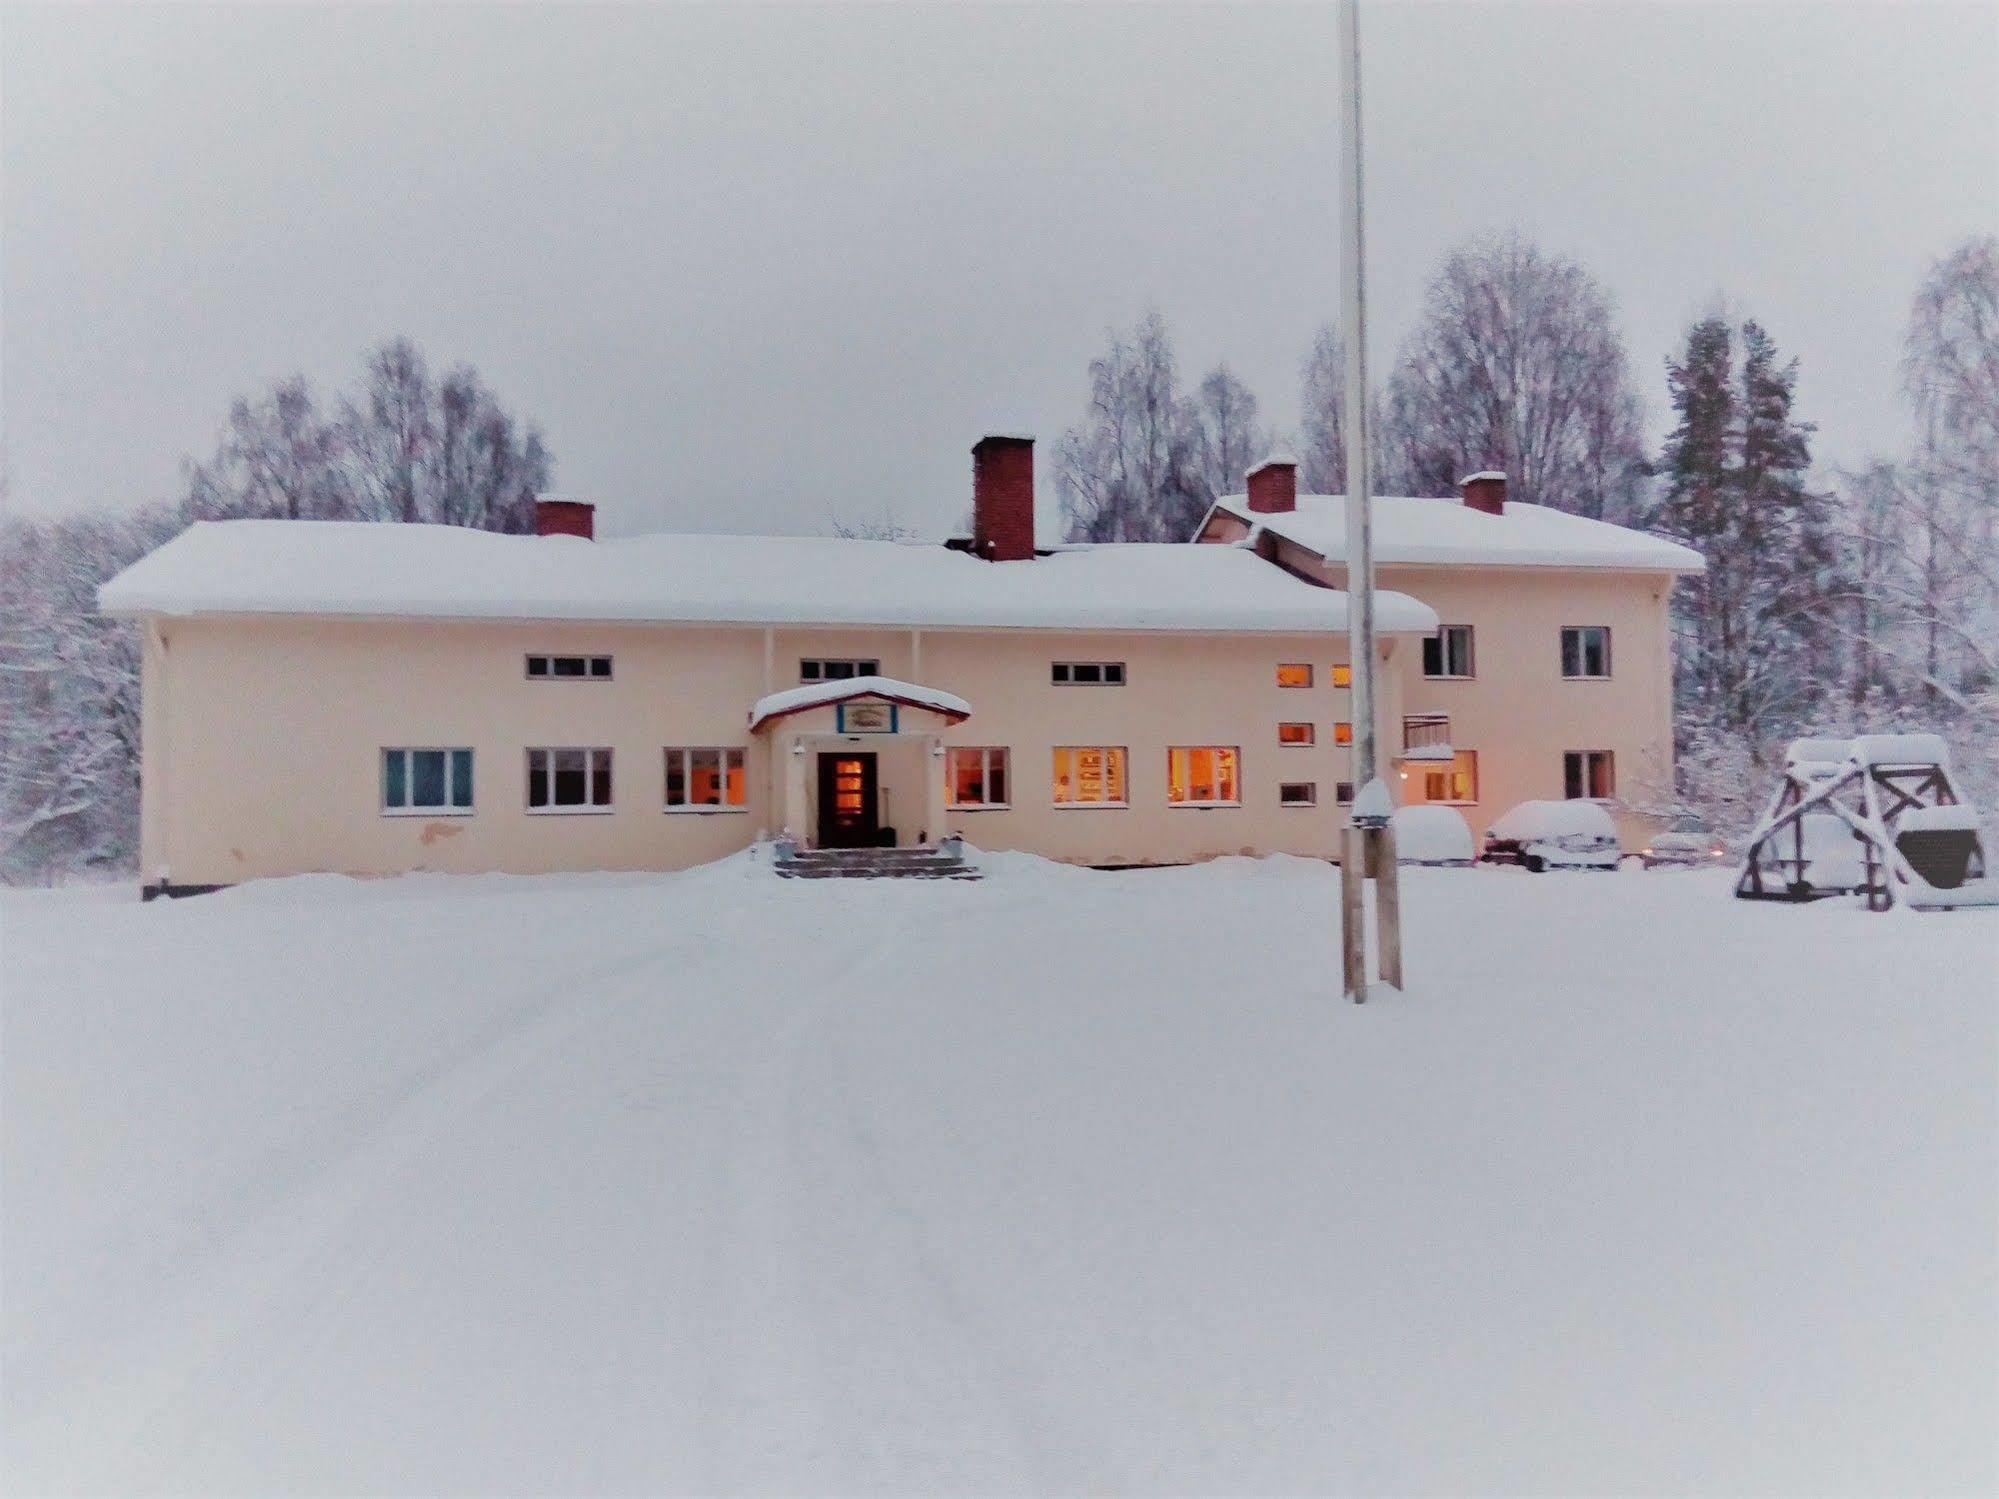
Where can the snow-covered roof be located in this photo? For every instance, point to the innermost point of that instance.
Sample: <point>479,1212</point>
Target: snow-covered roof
<point>1409,529</point>
<point>820,694</point>
<point>449,572</point>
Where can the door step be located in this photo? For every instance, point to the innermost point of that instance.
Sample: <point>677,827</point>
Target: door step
<point>875,864</point>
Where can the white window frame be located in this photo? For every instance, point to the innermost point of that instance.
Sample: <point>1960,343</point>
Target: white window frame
<point>1581,634</point>
<point>548,672</point>
<point>1311,734</point>
<point>584,809</point>
<point>1609,758</point>
<point>727,754</point>
<point>1124,776</point>
<point>986,754</point>
<point>409,780</point>
<point>1063,673</point>
<point>813,668</point>
<point>1310,798</point>
<point>1442,637</point>
<point>1234,751</point>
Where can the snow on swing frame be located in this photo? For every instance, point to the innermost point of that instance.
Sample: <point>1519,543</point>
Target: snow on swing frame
<point>1877,816</point>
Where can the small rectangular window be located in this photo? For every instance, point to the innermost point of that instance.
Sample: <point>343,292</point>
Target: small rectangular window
<point>1202,775</point>
<point>837,668</point>
<point>1296,733</point>
<point>705,780</point>
<point>1090,775</point>
<point>1425,730</point>
<point>1298,794</point>
<point>1343,733</point>
<point>1343,676</point>
<point>1586,651</point>
<point>570,668</point>
<point>1343,793</point>
<point>1294,674</point>
<point>977,777</point>
<point>431,782</point>
<point>569,780</point>
<point>1448,653</point>
<point>1588,774</point>
<point>1086,673</point>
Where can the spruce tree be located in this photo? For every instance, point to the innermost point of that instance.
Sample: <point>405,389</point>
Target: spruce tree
<point>1695,505</point>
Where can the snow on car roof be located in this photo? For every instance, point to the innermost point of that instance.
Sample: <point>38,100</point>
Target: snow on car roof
<point>451,572</point>
<point>1412,529</point>
<point>1550,819</point>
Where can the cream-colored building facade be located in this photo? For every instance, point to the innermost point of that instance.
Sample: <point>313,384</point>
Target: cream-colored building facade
<point>380,699</point>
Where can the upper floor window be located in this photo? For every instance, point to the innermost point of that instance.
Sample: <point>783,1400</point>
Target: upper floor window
<point>1342,675</point>
<point>1343,733</point>
<point>1425,730</point>
<point>1086,673</point>
<point>1586,650</point>
<point>977,777</point>
<point>570,668</point>
<point>1448,653</point>
<point>836,669</point>
<point>1294,674</point>
<point>1343,793</point>
<point>1298,794</point>
<point>1202,775</point>
<point>569,780</point>
<point>1588,773</point>
<point>1296,733</point>
<point>434,782</point>
<point>704,780</point>
<point>1089,775</point>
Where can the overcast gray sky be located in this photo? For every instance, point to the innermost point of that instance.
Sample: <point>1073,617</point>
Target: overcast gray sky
<point>753,266</point>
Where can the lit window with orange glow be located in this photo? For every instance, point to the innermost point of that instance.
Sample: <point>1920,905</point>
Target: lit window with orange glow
<point>1089,775</point>
<point>1202,775</point>
<point>705,780</point>
<point>978,777</point>
<point>1343,733</point>
<point>1343,676</point>
<point>1295,674</point>
<point>1296,733</point>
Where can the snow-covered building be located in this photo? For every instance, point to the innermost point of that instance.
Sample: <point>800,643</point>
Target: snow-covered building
<point>380,698</point>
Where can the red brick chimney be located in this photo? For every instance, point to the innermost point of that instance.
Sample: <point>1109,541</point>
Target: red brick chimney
<point>1273,485</point>
<point>1003,499</point>
<point>559,517</point>
<point>1486,492</point>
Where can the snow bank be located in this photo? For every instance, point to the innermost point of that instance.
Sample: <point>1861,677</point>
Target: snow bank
<point>449,572</point>
<point>1415,530</point>
<point>1554,819</point>
<point>1431,835</point>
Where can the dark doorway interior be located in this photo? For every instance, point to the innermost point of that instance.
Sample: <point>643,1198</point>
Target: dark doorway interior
<point>848,800</point>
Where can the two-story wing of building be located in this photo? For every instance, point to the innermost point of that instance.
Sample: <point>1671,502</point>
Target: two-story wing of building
<point>380,698</point>
<point>1550,673</point>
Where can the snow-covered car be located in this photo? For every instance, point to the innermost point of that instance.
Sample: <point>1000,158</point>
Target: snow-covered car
<point>1432,835</point>
<point>1682,848</point>
<point>1554,835</point>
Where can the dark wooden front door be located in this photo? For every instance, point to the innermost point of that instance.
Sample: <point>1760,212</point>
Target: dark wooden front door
<point>847,801</point>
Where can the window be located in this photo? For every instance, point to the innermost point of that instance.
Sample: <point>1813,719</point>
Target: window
<point>1343,676</point>
<point>1455,784</point>
<point>704,780</point>
<point>825,669</point>
<point>1202,775</point>
<point>570,668</point>
<point>569,780</point>
<point>1086,673</point>
<point>1586,651</point>
<point>1425,730</point>
<point>430,781</point>
<point>1588,773</point>
<point>1089,776</point>
<point>1296,733</point>
<point>977,777</point>
<point>1343,793</point>
<point>1295,674</point>
<point>1298,794</point>
<point>1343,733</point>
<point>1448,652</point>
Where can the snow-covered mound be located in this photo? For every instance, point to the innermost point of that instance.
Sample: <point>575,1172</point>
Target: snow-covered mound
<point>1060,1182</point>
<point>1432,835</point>
<point>1552,820</point>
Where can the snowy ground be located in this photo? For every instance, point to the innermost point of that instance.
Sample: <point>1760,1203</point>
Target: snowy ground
<point>1061,1182</point>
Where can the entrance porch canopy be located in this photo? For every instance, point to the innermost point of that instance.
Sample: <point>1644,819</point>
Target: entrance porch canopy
<point>886,735</point>
<point>767,710</point>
